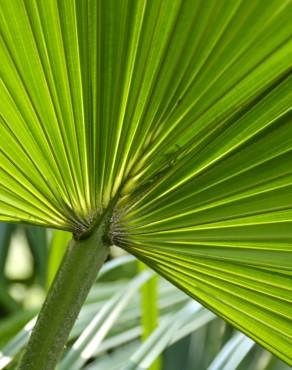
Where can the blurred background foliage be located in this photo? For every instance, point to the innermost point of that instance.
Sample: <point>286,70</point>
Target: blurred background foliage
<point>116,328</point>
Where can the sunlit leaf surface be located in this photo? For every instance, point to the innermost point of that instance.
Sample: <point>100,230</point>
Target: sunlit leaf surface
<point>179,113</point>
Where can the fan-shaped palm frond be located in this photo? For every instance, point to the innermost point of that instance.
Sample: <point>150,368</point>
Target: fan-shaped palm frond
<point>172,117</point>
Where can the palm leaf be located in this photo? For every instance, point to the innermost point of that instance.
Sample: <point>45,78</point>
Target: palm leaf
<point>122,338</point>
<point>177,114</point>
<point>99,315</point>
<point>232,353</point>
<point>92,336</point>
